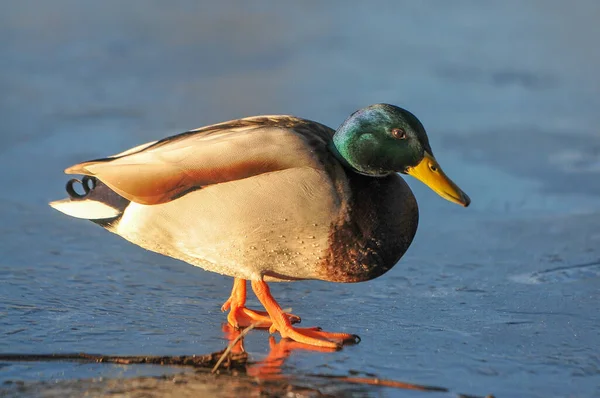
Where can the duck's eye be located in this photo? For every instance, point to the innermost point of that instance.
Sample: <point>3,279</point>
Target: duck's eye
<point>399,134</point>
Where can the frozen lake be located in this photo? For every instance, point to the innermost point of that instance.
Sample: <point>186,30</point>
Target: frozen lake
<point>500,298</point>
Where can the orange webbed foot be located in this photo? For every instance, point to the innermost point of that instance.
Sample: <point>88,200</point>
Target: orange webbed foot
<point>317,337</point>
<point>311,336</point>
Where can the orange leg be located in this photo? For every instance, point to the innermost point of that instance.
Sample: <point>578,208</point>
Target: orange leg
<point>281,323</point>
<point>240,316</point>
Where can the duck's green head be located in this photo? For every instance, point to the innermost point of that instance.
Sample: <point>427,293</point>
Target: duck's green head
<point>383,139</point>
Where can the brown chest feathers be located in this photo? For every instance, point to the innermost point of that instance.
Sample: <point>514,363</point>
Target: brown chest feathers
<point>380,225</point>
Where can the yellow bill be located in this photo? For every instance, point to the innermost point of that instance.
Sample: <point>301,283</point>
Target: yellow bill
<point>429,172</point>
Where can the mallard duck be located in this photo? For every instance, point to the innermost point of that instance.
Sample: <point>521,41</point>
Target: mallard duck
<point>270,198</point>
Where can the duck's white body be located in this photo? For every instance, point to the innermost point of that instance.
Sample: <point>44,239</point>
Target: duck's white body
<point>289,229</point>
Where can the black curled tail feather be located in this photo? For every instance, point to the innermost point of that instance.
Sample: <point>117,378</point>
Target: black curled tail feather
<point>89,198</point>
<point>88,184</point>
<point>96,190</point>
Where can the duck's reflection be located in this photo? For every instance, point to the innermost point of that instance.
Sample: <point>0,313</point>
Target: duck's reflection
<point>271,366</point>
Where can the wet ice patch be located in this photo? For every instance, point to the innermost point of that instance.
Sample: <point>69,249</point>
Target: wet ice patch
<point>577,161</point>
<point>567,273</point>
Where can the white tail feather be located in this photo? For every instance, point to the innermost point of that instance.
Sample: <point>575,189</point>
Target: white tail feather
<point>87,209</point>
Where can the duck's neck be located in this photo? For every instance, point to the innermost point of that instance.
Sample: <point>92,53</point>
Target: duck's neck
<point>331,146</point>
<point>355,153</point>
